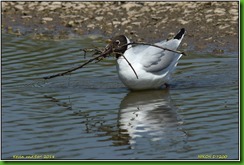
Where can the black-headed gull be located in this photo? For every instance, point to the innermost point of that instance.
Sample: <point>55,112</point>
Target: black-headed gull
<point>153,65</point>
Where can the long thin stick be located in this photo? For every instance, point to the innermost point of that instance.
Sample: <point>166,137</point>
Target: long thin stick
<point>78,67</point>
<point>142,43</point>
<point>130,66</point>
<point>107,52</point>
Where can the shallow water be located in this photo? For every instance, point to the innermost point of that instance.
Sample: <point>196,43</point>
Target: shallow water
<point>91,115</point>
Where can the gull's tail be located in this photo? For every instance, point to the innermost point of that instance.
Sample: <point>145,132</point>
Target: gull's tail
<point>175,42</point>
<point>180,35</point>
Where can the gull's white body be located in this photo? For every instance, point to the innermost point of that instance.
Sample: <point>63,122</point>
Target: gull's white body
<point>153,65</point>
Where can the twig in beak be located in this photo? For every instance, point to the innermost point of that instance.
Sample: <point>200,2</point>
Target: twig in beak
<point>97,51</point>
<point>104,54</point>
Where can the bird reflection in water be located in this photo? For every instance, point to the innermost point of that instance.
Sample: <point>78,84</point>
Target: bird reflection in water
<point>149,117</point>
<point>146,119</point>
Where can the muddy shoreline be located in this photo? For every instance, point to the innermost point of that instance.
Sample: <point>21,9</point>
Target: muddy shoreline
<point>212,27</point>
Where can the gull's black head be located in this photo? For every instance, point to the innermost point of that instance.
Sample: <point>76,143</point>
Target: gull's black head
<point>118,44</point>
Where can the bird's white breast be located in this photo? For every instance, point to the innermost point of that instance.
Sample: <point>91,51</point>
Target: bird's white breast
<point>145,79</point>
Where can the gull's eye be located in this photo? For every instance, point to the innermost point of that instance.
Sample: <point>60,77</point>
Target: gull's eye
<point>117,42</point>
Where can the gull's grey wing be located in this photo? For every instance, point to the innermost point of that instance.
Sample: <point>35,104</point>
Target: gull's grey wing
<point>155,59</point>
<point>160,61</point>
<point>139,48</point>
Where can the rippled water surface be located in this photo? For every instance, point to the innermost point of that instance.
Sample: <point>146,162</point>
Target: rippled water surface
<point>91,115</point>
